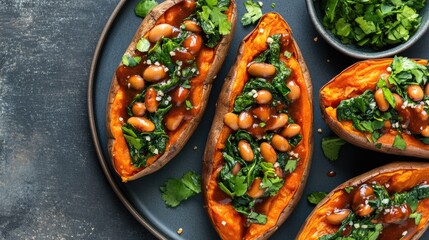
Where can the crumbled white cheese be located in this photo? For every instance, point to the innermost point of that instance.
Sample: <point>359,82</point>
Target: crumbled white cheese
<point>389,69</point>
<point>149,61</point>
<point>261,30</point>
<point>223,223</point>
<point>155,151</point>
<point>147,138</point>
<point>121,119</point>
<point>157,63</point>
<point>172,53</point>
<point>158,98</point>
<point>270,40</point>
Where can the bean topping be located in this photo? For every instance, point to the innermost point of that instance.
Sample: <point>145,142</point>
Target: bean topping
<point>154,73</point>
<point>138,109</point>
<point>337,216</point>
<point>136,82</point>
<point>231,120</point>
<point>150,100</point>
<point>263,70</point>
<point>268,152</point>
<point>280,143</point>
<point>381,102</point>
<point>142,124</point>
<point>415,92</point>
<point>255,191</point>
<point>160,31</point>
<point>295,91</point>
<point>291,130</point>
<point>245,150</point>
<point>263,97</point>
<point>245,120</point>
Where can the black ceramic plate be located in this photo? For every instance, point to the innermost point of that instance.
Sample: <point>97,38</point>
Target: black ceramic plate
<point>143,198</point>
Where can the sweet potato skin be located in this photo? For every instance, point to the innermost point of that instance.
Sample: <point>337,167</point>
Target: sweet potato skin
<point>352,82</point>
<point>117,147</point>
<point>281,205</point>
<point>401,176</point>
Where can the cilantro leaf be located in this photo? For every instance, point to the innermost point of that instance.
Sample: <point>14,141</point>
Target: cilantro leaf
<point>254,13</point>
<point>188,105</point>
<point>291,166</point>
<point>174,191</point>
<point>331,147</point>
<point>417,217</point>
<point>144,7</point>
<point>316,197</point>
<point>399,143</point>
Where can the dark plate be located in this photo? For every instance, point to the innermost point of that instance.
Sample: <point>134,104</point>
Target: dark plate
<point>143,198</point>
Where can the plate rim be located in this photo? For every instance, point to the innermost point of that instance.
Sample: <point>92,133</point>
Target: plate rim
<point>100,44</point>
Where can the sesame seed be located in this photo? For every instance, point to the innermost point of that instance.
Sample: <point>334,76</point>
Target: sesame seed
<point>315,39</point>
<point>195,147</point>
<point>129,85</point>
<point>404,233</point>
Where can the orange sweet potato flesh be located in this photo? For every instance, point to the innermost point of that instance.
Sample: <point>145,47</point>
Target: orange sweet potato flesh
<point>399,176</point>
<point>229,223</point>
<point>209,62</point>
<point>352,82</point>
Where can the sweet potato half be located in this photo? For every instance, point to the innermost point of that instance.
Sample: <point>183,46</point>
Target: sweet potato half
<point>389,202</point>
<point>383,105</point>
<point>160,89</point>
<point>259,149</point>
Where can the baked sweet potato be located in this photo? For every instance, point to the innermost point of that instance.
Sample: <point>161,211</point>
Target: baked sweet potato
<point>259,148</point>
<point>390,202</point>
<point>160,89</point>
<point>381,105</point>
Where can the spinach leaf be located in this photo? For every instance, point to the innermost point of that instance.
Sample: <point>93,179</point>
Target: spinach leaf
<point>144,7</point>
<point>316,197</point>
<point>331,147</point>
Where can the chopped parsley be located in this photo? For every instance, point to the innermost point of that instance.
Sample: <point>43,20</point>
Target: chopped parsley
<point>372,23</point>
<point>144,7</point>
<point>253,14</point>
<point>399,143</point>
<point>188,105</point>
<point>213,20</point>
<point>143,45</point>
<point>316,197</point>
<point>331,147</point>
<point>174,191</point>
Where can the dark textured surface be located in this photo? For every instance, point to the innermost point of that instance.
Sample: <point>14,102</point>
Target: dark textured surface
<point>51,184</point>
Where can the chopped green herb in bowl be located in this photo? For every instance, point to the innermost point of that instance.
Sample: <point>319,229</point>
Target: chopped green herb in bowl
<point>370,28</point>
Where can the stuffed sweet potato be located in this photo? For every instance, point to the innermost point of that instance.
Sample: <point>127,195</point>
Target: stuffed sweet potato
<point>387,203</point>
<point>258,152</point>
<point>160,90</point>
<point>381,105</point>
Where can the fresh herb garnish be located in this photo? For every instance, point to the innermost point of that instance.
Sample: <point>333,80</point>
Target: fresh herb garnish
<point>144,7</point>
<point>399,143</point>
<point>130,61</point>
<point>188,105</point>
<point>213,20</point>
<point>253,14</point>
<point>143,45</point>
<point>174,191</point>
<point>331,147</point>
<point>372,23</point>
<point>316,197</point>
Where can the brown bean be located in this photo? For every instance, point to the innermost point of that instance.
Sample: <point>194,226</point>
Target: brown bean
<point>189,5</point>
<point>280,143</point>
<point>295,91</point>
<point>277,121</point>
<point>263,112</point>
<point>396,214</point>
<point>138,109</point>
<point>381,102</point>
<point>192,26</point>
<point>291,130</point>
<point>415,92</point>
<point>179,95</point>
<point>236,169</point>
<point>245,120</point>
<point>398,101</point>
<point>182,55</point>
<point>255,191</point>
<point>142,124</point>
<point>337,216</point>
<point>360,197</point>
<point>268,152</point>
<point>150,100</point>
<point>387,124</point>
<point>245,150</point>
<point>364,210</point>
<point>193,43</point>
<point>425,131</point>
<point>264,70</point>
<point>231,120</point>
<point>136,82</point>
<point>174,118</point>
<point>154,73</point>
<point>263,96</point>
<point>427,89</point>
<point>160,31</point>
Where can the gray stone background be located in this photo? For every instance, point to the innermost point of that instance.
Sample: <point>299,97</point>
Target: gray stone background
<point>51,185</point>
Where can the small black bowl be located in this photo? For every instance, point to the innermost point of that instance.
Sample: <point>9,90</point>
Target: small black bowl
<point>316,15</point>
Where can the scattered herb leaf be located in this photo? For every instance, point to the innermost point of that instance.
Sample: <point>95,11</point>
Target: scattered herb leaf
<point>144,7</point>
<point>316,197</point>
<point>174,191</point>
<point>331,147</point>
<point>399,143</point>
<point>254,13</point>
<point>143,45</point>
<point>188,105</point>
<point>129,61</point>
